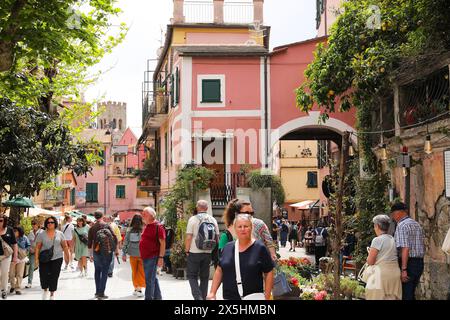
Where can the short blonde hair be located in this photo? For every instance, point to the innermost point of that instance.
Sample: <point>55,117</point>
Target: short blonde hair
<point>243,216</point>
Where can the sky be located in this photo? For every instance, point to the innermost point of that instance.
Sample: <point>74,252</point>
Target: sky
<point>290,21</point>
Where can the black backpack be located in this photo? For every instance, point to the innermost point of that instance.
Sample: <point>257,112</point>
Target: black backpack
<point>216,254</point>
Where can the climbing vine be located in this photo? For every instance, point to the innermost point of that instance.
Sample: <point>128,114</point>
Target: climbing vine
<point>189,181</point>
<point>368,45</point>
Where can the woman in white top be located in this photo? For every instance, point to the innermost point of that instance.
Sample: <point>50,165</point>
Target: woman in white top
<point>383,273</point>
<point>68,229</point>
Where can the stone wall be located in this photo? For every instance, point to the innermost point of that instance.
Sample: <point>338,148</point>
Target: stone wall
<point>429,206</point>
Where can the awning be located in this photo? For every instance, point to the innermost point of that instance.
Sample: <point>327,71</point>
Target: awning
<point>305,205</point>
<point>33,212</point>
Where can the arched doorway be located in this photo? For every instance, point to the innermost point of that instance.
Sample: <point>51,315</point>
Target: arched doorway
<point>300,153</point>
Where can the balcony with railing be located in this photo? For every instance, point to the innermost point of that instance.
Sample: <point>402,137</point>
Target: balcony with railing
<point>231,13</point>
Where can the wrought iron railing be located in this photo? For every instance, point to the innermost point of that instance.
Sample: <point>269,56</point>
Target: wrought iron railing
<point>224,185</point>
<point>425,98</point>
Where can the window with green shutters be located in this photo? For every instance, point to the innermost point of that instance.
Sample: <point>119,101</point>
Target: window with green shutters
<point>211,90</point>
<point>177,86</point>
<point>91,192</point>
<point>312,179</point>
<point>120,192</point>
<point>172,90</point>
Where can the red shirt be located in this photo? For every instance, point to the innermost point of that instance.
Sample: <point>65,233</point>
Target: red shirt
<point>149,244</point>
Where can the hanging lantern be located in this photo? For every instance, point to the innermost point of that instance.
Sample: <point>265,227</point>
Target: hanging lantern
<point>428,148</point>
<point>384,152</point>
<point>351,151</point>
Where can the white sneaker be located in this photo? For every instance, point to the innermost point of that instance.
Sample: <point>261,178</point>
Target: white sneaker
<point>85,273</point>
<point>135,292</point>
<point>65,268</point>
<point>28,286</point>
<point>52,297</point>
<point>139,294</point>
<point>45,295</point>
<point>81,274</point>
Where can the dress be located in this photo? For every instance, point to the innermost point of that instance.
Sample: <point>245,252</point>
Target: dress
<point>284,234</point>
<point>383,278</point>
<point>81,249</point>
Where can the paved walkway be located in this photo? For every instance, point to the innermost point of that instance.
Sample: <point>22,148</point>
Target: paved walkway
<point>119,287</point>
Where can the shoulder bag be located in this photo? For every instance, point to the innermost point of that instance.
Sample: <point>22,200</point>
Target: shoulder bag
<point>82,237</point>
<point>280,284</point>
<point>253,296</point>
<point>47,255</point>
<point>7,250</point>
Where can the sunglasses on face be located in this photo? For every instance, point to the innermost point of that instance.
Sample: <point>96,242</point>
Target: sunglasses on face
<point>248,212</point>
<point>51,222</point>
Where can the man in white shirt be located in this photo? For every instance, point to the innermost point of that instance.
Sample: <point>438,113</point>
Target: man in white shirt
<point>199,259</point>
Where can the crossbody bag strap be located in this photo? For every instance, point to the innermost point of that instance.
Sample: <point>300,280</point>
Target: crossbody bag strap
<point>238,269</point>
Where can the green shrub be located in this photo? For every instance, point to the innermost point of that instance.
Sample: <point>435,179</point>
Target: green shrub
<point>259,179</point>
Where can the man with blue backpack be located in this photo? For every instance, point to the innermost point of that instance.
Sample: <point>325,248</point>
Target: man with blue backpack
<point>202,236</point>
<point>320,242</point>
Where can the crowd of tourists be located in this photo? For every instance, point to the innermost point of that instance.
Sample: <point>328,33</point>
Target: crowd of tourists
<point>243,255</point>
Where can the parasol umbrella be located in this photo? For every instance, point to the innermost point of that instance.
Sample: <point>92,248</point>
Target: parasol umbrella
<point>19,202</point>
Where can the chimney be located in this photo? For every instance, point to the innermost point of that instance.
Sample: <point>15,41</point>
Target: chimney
<point>218,11</point>
<point>258,11</point>
<point>178,14</point>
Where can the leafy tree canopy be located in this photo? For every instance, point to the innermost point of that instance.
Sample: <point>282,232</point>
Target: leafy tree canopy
<point>34,147</point>
<point>46,47</point>
<point>362,55</point>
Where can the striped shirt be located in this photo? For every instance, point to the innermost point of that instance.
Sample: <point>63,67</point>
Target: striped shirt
<point>409,234</point>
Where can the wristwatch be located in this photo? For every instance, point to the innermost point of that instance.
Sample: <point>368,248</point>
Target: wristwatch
<point>160,257</point>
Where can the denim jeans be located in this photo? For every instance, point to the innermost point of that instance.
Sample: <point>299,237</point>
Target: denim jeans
<point>31,270</point>
<point>415,270</point>
<point>198,266</point>
<point>101,264</point>
<point>152,290</point>
<point>167,262</point>
<point>111,266</point>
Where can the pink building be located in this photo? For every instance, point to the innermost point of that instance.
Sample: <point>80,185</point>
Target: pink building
<point>219,98</point>
<point>112,186</point>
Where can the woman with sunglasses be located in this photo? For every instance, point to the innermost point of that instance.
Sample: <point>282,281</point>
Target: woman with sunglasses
<point>253,269</point>
<point>49,271</point>
<point>8,239</point>
<point>260,230</point>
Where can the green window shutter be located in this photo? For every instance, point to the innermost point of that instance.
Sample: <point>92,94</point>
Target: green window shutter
<point>91,192</point>
<point>211,91</point>
<point>172,90</point>
<point>120,192</point>
<point>72,197</point>
<point>312,179</point>
<point>177,86</point>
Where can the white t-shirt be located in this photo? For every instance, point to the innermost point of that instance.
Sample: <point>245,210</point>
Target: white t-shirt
<point>385,244</point>
<point>192,228</point>
<point>68,232</point>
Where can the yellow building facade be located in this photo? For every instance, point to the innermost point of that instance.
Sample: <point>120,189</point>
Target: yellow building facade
<point>299,170</point>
